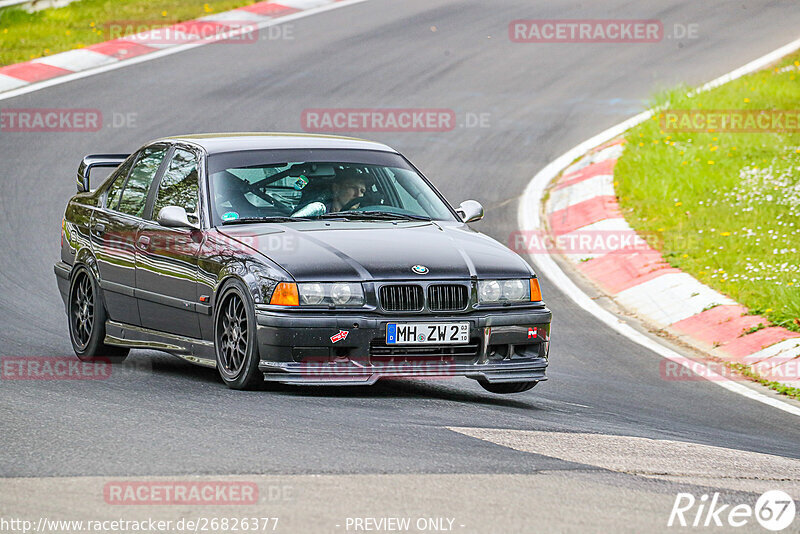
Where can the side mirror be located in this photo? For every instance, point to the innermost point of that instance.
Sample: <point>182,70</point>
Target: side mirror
<point>174,217</point>
<point>470,211</point>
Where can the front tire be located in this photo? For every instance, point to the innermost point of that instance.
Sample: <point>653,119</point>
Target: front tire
<point>235,341</point>
<point>508,387</point>
<point>87,320</point>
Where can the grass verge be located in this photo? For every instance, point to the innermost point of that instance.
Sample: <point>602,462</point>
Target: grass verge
<point>25,36</point>
<point>725,206</point>
<point>747,371</point>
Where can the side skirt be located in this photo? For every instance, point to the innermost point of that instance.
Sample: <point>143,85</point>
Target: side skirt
<point>192,350</point>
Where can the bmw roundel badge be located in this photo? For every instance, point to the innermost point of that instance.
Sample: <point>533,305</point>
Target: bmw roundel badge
<point>419,269</point>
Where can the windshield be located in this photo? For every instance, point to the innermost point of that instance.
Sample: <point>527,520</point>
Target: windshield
<point>246,189</point>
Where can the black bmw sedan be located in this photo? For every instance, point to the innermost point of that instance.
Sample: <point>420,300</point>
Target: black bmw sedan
<point>300,259</point>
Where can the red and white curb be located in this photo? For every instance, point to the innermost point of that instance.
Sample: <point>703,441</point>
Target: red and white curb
<point>15,79</point>
<point>583,202</point>
<point>531,216</point>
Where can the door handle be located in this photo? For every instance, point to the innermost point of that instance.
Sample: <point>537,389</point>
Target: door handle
<point>144,242</point>
<point>99,229</point>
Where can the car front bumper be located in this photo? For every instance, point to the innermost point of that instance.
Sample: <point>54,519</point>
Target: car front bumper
<point>349,348</point>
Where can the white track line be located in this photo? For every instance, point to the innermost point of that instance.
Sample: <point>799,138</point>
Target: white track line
<point>528,218</point>
<point>174,50</point>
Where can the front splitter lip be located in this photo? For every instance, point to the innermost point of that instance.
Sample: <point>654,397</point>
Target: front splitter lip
<point>351,373</point>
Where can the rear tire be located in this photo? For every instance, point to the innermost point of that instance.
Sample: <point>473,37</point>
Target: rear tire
<point>508,387</point>
<point>87,320</point>
<point>235,341</point>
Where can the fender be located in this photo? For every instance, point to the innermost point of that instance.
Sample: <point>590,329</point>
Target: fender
<point>85,257</point>
<point>88,262</point>
<point>258,280</point>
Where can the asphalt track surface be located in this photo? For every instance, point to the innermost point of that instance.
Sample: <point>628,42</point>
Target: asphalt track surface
<point>162,416</point>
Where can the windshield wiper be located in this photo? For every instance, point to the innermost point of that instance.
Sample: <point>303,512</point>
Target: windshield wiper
<point>374,215</point>
<point>277,219</point>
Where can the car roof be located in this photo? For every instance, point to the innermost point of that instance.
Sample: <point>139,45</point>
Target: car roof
<point>233,142</point>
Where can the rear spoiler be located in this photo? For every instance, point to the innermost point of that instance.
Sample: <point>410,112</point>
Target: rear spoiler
<point>96,160</point>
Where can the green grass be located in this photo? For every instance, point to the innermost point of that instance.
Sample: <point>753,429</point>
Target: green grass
<point>747,371</point>
<point>725,206</point>
<point>25,36</point>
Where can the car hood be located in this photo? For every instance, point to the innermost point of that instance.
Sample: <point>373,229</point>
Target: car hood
<point>354,250</point>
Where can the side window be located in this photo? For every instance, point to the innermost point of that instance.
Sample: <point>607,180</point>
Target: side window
<point>117,183</point>
<point>134,196</point>
<point>179,185</point>
<point>414,194</point>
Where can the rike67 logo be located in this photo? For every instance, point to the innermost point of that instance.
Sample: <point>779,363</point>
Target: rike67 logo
<point>774,510</point>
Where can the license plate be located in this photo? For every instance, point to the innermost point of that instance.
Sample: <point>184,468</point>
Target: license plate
<point>426,333</point>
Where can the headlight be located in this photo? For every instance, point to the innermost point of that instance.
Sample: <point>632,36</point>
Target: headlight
<point>337,294</point>
<point>312,293</point>
<point>496,291</point>
<point>341,294</point>
<point>514,289</point>
<point>489,291</point>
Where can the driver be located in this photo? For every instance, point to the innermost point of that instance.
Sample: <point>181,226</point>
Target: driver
<point>349,186</point>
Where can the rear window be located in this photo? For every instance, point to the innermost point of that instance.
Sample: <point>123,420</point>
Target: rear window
<point>134,196</point>
<point>117,178</point>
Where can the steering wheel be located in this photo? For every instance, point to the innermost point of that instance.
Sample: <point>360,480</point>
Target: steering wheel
<point>369,199</point>
<point>353,203</point>
<point>286,209</point>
